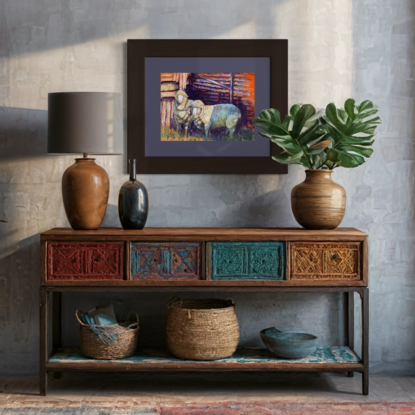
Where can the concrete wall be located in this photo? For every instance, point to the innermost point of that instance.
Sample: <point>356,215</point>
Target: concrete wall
<point>337,49</point>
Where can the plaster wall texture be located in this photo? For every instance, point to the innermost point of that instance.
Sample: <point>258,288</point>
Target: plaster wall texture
<point>337,49</point>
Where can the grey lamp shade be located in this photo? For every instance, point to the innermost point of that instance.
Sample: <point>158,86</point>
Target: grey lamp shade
<point>85,122</point>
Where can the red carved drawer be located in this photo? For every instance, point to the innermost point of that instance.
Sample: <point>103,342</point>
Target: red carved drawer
<point>85,261</point>
<point>165,261</point>
<point>325,261</point>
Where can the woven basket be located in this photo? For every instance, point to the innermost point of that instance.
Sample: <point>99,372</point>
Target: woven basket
<point>202,329</point>
<point>124,345</point>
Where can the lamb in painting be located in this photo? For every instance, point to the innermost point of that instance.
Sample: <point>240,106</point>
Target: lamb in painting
<point>182,111</point>
<point>210,117</point>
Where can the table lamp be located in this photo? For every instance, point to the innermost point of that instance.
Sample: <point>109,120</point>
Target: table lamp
<point>85,123</point>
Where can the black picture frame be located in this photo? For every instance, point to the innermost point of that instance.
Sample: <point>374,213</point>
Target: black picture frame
<point>138,50</point>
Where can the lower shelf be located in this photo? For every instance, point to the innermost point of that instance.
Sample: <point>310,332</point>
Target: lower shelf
<point>325,359</point>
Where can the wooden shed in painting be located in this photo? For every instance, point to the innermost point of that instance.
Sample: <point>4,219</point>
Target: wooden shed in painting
<point>210,88</point>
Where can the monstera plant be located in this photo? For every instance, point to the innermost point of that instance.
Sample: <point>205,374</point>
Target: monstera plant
<point>321,141</point>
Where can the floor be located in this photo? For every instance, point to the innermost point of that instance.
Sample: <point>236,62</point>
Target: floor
<point>208,394</point>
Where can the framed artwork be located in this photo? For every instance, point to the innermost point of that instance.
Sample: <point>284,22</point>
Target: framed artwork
<point>191,104</point>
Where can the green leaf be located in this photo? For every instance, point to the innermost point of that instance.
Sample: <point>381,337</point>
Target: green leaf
<point>349,107</point>
<point>361,141</point>
<point>286,158</point>
<point>316,117</point>
<point>272,115</point>
<point>364,114</point>
<point>329,164</point>
<point>304,161</point>
<point>287,123</point>
<point>318,147</point>
<point>333,119</point>
<point>375,120</point>
<point>275,116</point>
<point>342,115</point>
<point>333,133</point>
<point>272,136</point>
<point>272,127</point>
<point>317,138</point>
<point>344,159</point>
<point>290,146</point>
<point>302,115</point>
<point>307,136</point>
<point>363,127</point>
<point>294,109</point>
<point>365,105</point>
<point>363,151</point>
<point>319,160</point>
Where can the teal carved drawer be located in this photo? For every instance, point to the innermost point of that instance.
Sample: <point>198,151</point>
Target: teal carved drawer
<point>246,260</point>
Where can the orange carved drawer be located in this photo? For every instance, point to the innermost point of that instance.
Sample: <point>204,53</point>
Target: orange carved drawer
<point>325,261</point>
<point>85,261</point>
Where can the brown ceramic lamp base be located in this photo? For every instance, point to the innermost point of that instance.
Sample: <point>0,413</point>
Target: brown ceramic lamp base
<point>85,190</point>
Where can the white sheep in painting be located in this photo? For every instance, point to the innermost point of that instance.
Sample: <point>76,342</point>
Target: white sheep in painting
<point>210,117</point>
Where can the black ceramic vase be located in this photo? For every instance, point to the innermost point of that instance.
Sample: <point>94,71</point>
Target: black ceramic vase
<point>133,202</point>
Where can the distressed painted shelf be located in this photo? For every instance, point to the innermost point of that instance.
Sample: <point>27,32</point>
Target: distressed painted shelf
<point>113,260</point>
<point>331,359</point>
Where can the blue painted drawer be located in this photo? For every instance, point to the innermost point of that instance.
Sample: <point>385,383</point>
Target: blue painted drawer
<point>165,261</point>
<point>246,260</point>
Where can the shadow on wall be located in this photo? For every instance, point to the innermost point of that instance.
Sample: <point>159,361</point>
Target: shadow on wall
<point>19,305</point>
<point>23,133</point>
<point>111,218</point>
<point>77,22</point>
<point>30,202</point>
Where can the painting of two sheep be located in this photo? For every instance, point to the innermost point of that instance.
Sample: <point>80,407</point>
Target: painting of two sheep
<point>207,106</point>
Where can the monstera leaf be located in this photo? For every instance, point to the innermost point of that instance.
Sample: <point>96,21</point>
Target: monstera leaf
<point>324,139</point>
<point>301,135</point>
<point>351,130</point>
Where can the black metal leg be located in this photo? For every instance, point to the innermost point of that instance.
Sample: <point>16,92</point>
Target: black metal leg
<point>350,323</point>
<point>43,377</point>
<point>365,340</point>
<point>57,325</point>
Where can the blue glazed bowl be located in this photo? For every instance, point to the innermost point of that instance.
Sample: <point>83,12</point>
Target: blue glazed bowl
<point>288,345</point>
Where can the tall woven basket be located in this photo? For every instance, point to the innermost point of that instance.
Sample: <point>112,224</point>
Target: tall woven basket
<point>109,342</point>
<point>202,329</point>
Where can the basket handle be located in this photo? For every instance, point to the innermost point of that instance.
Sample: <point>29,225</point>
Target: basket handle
<point>136,316</point>
<point>175,298</point>
<point>231,302</point>
<point>77,317</point>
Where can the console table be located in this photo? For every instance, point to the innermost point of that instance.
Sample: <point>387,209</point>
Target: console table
<point>203,259</point>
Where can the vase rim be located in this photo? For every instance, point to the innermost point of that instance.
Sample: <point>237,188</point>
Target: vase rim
<point>85,159</point>
<point>319,170</point>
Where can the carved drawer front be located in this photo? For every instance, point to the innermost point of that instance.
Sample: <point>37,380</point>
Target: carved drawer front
<point>325,261</point>
<point>247,260</point>
<point>85,261</point>
<point>165,261</point>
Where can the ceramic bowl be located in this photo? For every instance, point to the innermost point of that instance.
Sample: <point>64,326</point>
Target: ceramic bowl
<point>288,345</point>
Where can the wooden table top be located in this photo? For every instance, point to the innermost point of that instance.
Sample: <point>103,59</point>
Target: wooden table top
<point>211,233</point>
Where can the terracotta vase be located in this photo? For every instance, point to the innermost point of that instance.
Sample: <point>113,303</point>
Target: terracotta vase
<point>318,202</point>
<point>85,190</point>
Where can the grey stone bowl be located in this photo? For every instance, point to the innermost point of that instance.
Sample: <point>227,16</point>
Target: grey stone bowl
<point>288,345</point>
